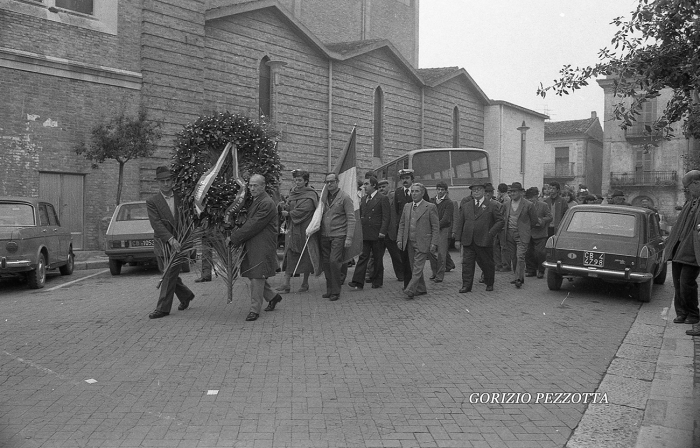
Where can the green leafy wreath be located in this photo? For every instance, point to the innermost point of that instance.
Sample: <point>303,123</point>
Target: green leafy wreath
<point>198,147</point>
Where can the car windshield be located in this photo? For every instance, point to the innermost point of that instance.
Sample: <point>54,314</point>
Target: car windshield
<point>13,215</point>
<point>599,223</point>
<point>132,212</point>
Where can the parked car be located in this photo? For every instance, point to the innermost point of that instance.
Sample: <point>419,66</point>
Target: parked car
<point>129,237</point>
<point>614,243</point>
<point>33,241</point>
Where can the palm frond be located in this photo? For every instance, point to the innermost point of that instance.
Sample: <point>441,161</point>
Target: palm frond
<point>188,235</point>
<point>226,261</point>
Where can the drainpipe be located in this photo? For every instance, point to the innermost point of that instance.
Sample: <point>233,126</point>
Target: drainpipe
<point>330,113</point>
<point>500,144</point>
<point>422,116</point>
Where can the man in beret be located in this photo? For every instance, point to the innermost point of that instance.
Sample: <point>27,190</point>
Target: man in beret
<point>163,210</point>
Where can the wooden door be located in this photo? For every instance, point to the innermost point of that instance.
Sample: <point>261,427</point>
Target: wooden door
<point>65,192</point>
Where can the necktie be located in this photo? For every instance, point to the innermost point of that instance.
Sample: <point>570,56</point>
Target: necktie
<point>415,206</point>
<point>406,191</point>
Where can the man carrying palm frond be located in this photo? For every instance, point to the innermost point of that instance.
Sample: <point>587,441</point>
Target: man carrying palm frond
<point>163,210</point>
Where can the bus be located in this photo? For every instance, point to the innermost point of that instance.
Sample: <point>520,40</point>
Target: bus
<point>457,167</point>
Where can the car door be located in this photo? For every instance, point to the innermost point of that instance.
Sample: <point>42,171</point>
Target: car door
<point>60,233</point>
<point>655,240</point>
<point>50,232</point>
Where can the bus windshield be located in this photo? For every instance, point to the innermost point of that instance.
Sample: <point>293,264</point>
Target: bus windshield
<point>454,167</point>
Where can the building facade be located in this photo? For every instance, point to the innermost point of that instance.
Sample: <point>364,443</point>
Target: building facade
<point>643,167</point>
<point>514,138</point>
<point>574,153</point>
<point>66,66</point>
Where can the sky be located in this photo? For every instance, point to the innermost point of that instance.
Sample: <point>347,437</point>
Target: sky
<point>509,46</point>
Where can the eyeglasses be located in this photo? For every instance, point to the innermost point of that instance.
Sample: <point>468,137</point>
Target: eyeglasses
<point>331,181</point>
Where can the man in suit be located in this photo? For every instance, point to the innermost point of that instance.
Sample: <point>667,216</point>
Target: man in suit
<point>375,213</point>
<point>402,196</point>
<point>163,210</point>
<point>519,216</point>
<point>419,230</point>
<point>337,230</point>
<point>536,252</point>
<point>445,208</point>
<point>557,206</point>
<point>390,238</point>
<point>500,248</point>
<point>478,223</point>
<point>259,234</point>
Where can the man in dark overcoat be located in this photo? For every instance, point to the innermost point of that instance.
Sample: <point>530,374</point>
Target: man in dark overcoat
<point>536,252</point>
<point>375,213</point>
<point>259,235</point>
<point>478,222</point>
<point>163,210</point>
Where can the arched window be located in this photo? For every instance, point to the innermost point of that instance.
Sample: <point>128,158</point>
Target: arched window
<point>378,122</point>
<point>265,88</point>
<point>455,127</point>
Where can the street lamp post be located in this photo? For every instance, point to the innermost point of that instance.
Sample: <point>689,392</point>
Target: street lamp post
<point>523,146</point>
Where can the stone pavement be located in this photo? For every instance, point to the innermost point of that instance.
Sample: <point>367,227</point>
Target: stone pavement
<point>84,366</point>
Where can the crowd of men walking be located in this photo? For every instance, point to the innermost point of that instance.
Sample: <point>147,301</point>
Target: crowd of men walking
<point>499,231</point>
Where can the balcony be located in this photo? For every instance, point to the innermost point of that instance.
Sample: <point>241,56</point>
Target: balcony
<point>559,171</point>
<point>644,178</point>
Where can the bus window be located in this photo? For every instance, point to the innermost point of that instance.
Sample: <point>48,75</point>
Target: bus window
<point>469,166</point>
<point>431,167</point>
<point>391,173</point>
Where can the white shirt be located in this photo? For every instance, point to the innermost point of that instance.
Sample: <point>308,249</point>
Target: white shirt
<point>171,202</point>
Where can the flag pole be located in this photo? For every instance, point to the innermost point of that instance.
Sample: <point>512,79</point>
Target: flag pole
<point>300,255</point>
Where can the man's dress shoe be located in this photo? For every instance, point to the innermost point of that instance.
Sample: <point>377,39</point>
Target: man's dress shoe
<point>202,279</point>
<point>489,288</point>
<point>184,305</point>
<point>251,316</point>
<point>464,290</point>
<point>273,302</point>
<point>679,320</point>
<point>157,314</point>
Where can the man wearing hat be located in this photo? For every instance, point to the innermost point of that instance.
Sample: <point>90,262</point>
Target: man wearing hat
<point>390,238</point>
<point>536,253</point>
<point>163,210</point>
<point>618,198</point>
<point>445,208</point>
<point>478,223</point>
<point>402,196</point>
<point>519,217</point>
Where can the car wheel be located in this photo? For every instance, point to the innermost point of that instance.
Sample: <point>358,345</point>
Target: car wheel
<point>553,280</point>
<point>644,291</point>
<point>67,269</point>
<point>661,278</point>
<point>37,278</point>
<point>115,267</point>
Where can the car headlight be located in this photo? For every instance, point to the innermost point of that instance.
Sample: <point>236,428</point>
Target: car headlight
<point>11,247</point>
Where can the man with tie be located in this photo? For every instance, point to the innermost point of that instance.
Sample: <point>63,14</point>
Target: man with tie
<point>163,210</point>
<point>478,223</point>
<point>375,214</point>
<point>390,238</point>
<point>683,250</point>
<point>402,196</point>
<point>419,230</point>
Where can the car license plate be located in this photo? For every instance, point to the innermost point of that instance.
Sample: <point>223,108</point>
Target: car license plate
<point>140,243</point>
<point>595,259</point>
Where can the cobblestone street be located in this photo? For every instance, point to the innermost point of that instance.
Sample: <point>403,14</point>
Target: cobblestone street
<point>83,366</point>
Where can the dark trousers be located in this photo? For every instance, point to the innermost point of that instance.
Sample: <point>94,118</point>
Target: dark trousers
<point>375,250</point>
<point>686,286</point>
<point>535,256</point>
<point>449,263</point>
<point>483,256</point>
<point>332,262</point>
<point>172,285</point>
<point>396,259</point>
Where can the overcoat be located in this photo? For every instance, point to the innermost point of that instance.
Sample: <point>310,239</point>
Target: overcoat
<point>375,216</point>
<point>259,235</point>
<point>427,225</point>
<point>478,226</point>
<point>527,218</point>
<point>162,219</point>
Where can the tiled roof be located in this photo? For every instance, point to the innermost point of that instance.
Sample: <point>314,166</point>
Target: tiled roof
<point>431,74</point>
<point>570,127</point>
